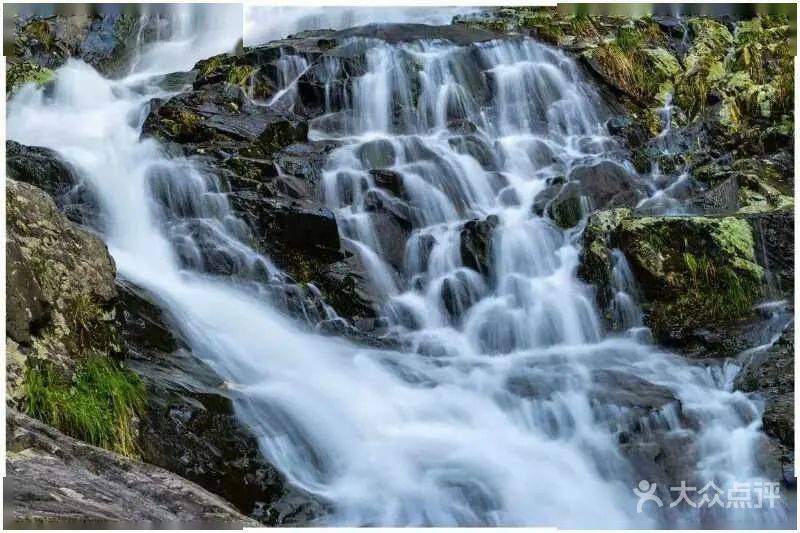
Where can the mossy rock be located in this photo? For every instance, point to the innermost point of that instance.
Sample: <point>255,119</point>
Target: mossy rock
<point>19,74</point>
<point>692,271</point>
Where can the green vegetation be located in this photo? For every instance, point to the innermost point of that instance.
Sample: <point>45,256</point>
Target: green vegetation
<point>99,404</point>
<point>18,74</point>
<point>240,75</point>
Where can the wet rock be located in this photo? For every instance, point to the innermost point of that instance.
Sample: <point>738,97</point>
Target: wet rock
<point>54,479</point>
<point>388,180</point>
<point>476,244</point>
<point>774,246</point>
<point>566,209</point>
<point>219,116</point>
<point>770,374</point>
<point>546,195</point>
<point>392,225</point>
<point>377,154</point>
<point>476,147</point>
<point>694,272</point>
<point>43,168</point>
<point>400,33</point>
<point>104,37</point>
<point>608,185</point>
<point>190,427</point>
<point>629,391</point>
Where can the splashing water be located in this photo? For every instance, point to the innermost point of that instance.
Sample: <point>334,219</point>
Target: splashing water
<point>509,407</point>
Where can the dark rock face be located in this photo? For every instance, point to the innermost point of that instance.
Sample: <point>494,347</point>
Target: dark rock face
<point>608,185</point>
<point>770,375</point>
<point>53,479</point>
<point>190,427</point>
<point>44,169</point>
<point>476,244</point>
<point>774,246</point>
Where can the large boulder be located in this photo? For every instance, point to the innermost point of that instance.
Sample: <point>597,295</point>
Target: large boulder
<point>608,185</point>
<point>53,479</point>
<point>61,295</point>
<point>694,273</point>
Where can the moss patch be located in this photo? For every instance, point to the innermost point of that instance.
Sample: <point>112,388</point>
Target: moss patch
<point>98,404</point>
<point>18,74</point>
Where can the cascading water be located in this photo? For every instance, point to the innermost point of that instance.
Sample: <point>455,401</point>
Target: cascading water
<point>509,405</point>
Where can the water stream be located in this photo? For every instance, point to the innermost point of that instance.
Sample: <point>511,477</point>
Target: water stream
<point>508,407</point>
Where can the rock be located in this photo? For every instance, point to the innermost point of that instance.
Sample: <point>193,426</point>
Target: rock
<point>62,301</point>
<point>190,427</point>
<point>43,168</point>
<point>546,195</point>
<point>388,180</point>
<point>54,479</point>
<point>627,390</point>
<point>770,374</point>
<point>26,307</point>
<point>774,245</point>
<point>219,115</point>
<point>22,73</point>
<point>377,154</point>
<point>566,209</point>
<point>693,272</point>
<point>476,244</point>
<point>104,37</point>
<point>607,185</point>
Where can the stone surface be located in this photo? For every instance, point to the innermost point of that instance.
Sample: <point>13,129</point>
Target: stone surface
<point>61,295</point>
<point>53,480</point>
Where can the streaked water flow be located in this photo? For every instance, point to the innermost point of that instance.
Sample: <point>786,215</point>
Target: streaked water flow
<point>505,408</point>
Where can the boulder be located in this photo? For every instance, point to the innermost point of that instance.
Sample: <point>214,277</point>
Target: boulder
<point>61,297</point>
<point>693,272</point>
<point>52,479</point>
<point>566,209</point>
<point>608,185</point>
<point>476,244</point>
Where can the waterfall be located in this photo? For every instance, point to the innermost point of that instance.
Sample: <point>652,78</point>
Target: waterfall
<point>508,406</point>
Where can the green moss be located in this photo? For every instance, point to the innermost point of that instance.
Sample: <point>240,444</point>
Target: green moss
<point>582,26</point>
<point>40,30</point>
<point>18,74</point>
<point>240,75</point>
<point>99,404</point>
<point>629,39</point>
<point>211,65</point>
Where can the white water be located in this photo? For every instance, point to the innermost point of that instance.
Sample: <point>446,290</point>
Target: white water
<point>489,418</point>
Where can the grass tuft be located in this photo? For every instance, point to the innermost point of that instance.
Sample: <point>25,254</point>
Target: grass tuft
<point>98,405</point>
